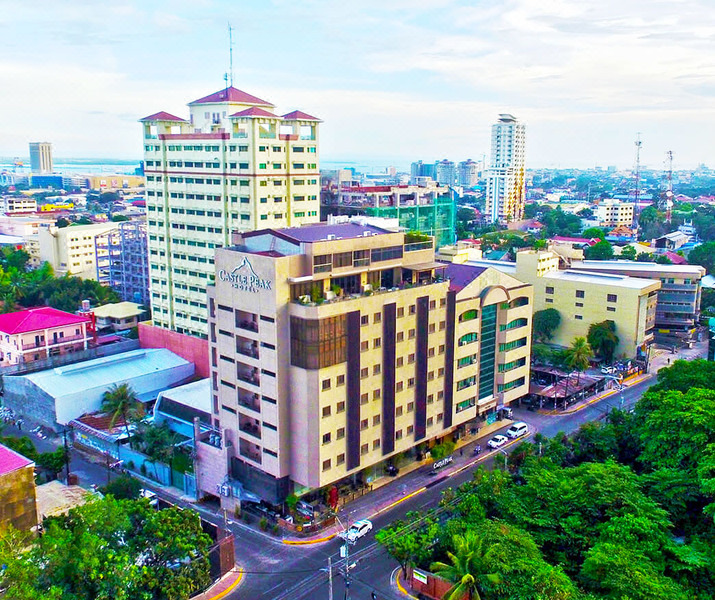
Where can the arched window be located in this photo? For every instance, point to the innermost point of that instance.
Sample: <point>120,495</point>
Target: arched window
<point>468,315</point>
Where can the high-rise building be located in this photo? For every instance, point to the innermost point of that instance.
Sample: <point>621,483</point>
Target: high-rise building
<point>468,173</point>
<point>233,165</point>
<point>41,157</point>
<point>446,172</point>
<point>420,169</point>
<point>335,348</point>
<point>122,261</point>
<point>506,186</point>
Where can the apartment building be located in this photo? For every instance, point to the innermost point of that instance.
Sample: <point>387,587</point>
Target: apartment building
<point>583,298</point>
<point>37,333</point>
<point>506,177</point>
<point>232,165</point>
<point>41,157</point>
<point>12,205</point>
<point>678,307</point>
<point>72,250</point>
<point>336,347</point>
<point>614,213</point>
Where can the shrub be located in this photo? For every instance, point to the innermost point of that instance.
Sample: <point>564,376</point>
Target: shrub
<point>276,530</point>
<point>263,523</point>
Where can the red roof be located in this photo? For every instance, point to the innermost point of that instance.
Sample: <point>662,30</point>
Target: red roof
<point>231,94</point>
<point>298,115</point>
<point>254,111</point>
<point>162,116</point>
<point>11,460</point>
<point>36,319</point>
<point>676,259</point>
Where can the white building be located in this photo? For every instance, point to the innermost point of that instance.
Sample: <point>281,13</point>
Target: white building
<point>614,213</point>
<point>41,157</point>
<point>446,172</point>
<point>233,165</point>
<point>506,188</point>
<point>468,173</point>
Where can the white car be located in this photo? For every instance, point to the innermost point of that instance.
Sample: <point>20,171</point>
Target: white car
<point>608,370</point>
<point>497,441</point>
<point>517,430</point>
<point>356,531</point>
<point>151,496</point>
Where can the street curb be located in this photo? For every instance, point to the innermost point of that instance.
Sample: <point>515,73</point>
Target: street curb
<point>309,542</point>
<point>396,502</point>
<point>225,592</point>
<point>396,577</point>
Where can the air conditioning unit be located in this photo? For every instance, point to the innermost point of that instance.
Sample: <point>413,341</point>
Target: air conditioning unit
<point>331,236</point>
<point>330,295</point>
<point>367,287</point>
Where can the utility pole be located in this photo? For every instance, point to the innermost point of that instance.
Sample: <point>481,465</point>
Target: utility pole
<point>330,578</point>
<point>347,567</point>
<point>638,180</point>
<point>67,457</point>
<point>669,191</point>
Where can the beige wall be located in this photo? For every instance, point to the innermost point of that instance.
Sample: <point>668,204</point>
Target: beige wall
<point>71,250</point>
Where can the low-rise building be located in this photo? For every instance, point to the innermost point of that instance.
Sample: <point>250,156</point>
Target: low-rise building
<point>52,398</point>
<point>18,205</point>
<point>335,348</point>
<point>72,250</point>
<point>121,316</point>
<point>678,308</point>
<point>17,490</point>
<point>37,333</point>
<point>614,213</point>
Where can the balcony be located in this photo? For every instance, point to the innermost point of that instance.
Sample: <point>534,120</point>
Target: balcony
<point>247,321</point>
<point>414,246</point>
<point>249,451</point>
<point>248,375</point>
<point>246,347</point>
<point>249,426</point>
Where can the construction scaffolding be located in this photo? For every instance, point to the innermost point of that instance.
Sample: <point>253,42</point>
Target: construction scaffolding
<point>123,261</point>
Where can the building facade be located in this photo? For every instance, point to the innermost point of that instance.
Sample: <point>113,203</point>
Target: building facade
<point>232,165</point>
<point>430,209</point>
<point>419,170</point>
<point>37,333</point>
<point>446,172</point>
<point>41,158</point>
<point>468,173</point>
<point>72,250</point>
<point>678,308</point>
<point>123,261</point>
<point>18,505</point>
<point>506,183</point>
<point>336,347</point>
<point>614,213</point>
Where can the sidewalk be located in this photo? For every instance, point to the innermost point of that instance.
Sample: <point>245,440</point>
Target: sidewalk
<point>224,586</point>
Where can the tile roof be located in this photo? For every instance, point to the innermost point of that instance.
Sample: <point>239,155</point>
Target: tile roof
<point>11,460</point>
<point>298,115</point>
<point>36,319</point>
<point>231,94</point>
<point>461,275</point>
<point>254,111</point>
<point>162,116</point>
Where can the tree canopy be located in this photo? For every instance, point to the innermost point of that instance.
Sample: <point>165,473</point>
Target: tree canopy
<point>600,251</point>
<point>703,255</point>
<point>546,322</point>
<point>603,339</point>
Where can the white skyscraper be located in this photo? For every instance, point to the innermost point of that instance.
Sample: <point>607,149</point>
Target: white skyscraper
<point>506,191</point>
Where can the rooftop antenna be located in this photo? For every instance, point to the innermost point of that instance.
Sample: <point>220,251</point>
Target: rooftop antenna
<point>230,53</point>
<point>669,191</point>
<point>638,180</point>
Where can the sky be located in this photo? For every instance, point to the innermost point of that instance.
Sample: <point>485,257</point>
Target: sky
<point>393,80</point>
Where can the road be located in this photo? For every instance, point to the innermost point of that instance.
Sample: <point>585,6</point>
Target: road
<point>276,571</point>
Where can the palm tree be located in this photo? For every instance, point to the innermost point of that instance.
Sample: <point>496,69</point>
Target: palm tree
<point>468,571</point>
<point>579,355</point>
<point>121,400</point>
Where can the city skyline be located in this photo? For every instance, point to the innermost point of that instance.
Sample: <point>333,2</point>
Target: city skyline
<point>411,80</point>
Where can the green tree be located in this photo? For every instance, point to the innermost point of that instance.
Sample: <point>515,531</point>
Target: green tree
<point>119,218</point>
<point>703,255</point>
<point>600,251</point>
<point>123,487</point>
<point>603,339</point>
<point>468,569</point>
<point>545,323</point>
<point>408,545</point>
<point>662,259</point>
<point>594,232</point>
<point>683,375</point>
<point>121,401</point>
<point>579,355</point>
<point>628,253</point>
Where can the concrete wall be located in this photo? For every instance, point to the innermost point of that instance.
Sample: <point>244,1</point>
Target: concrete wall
<point>30,403</point>
<point>193,349</point>
<point>17,498</point>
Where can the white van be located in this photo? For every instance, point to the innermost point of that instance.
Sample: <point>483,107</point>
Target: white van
<point>517,430</point>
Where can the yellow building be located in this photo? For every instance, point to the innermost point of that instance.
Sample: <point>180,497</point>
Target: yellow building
<point>234,165</point>
<point>71,250</point>
<point>107,183</point>
<point>335,348</point>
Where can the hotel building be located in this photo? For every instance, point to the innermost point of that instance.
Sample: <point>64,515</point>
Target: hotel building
<point>233,165</point>
<point>506,184</point>
<point>335,348</point>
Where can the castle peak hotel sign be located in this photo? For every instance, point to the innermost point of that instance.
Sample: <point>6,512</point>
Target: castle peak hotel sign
<point>244,278</point>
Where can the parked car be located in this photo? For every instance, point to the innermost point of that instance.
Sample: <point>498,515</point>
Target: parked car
<point>517,430</point>
<point>151,496</point>
<point>497,441</point>
<point>356,531</point>
<point>606,370</point>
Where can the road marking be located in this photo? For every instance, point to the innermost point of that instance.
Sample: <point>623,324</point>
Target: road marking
<point>396,502</point>
<point>308,542</point>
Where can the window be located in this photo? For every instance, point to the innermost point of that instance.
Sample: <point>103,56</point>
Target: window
<point>578,317</point>
<point>377,318</point>
<point>400,336</point>
<point>398,411</point>
<point>340,459</point>
<point>364,449</point>
<point>326,438</point>
<point>580,294</point>
<point>411,334</point>
<point>326,411</point>
<point>340,380</point>
<point>364,373</point>
<point>363,424</point>
<point>410,429</point>
<point>411,382</point>
<point>376,420</point>
<point>364,398</point>
<point>364,320</point>
<point>376,394</point>
<point>579,304</point>
<point>340,433</point>
<point>410,407</point>
<point>400,312</point>
<point>612,298</point>
<point>326,384</point>
<point>340,407</point>
<point>400,361</point>
<point>412,309</point>
<point>430,422</point>
<point>410,358</point>
<point>326,465</point>
<point>376,444</point>
<point>432,304</point>
<point>364,346</point>
<point>377,343</point>
<point>376,369</point>
<point>399,386</point>
<point>398,434</point>
<point>611,308</point>
<point>468,315</point>
<point>520,343</point>
<point>549,290</point>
